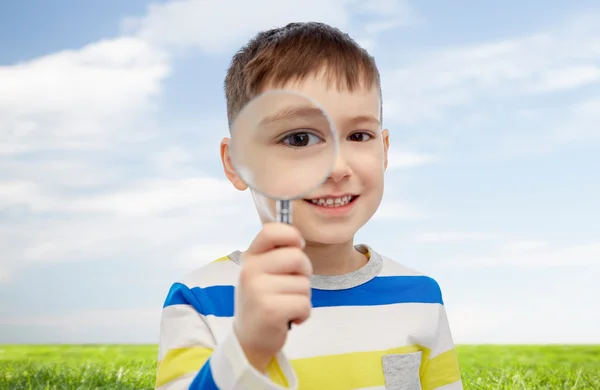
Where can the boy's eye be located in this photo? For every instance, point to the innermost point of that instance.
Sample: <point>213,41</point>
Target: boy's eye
<point>359,137</point>
<point>301,139</point>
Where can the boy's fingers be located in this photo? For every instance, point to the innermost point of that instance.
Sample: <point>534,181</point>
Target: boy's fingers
<point>285,261</point>
<point>274,235</point>
<point>290,284</point>
<point>297,308</point>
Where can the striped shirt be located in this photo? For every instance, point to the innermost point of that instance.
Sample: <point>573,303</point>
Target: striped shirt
<point>383,326</point>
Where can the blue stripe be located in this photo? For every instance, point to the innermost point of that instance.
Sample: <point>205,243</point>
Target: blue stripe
<point>204,379</point>
<point>382,290</point>
<point>213,300</point>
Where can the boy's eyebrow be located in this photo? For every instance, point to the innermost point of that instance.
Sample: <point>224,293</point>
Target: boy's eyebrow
<point>307,111</point>
<point>362,119</point>
<point>292,112</point>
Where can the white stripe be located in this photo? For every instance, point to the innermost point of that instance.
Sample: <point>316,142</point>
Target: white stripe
<point>222,368</point>
<point>183,382</point>
<point>221,273</point>
<point>443,340</point>
<point>181,327</point>
<point>393,268</point>
<point>346,329</point>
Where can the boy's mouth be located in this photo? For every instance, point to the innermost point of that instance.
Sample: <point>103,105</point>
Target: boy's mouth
<point>333,202</point>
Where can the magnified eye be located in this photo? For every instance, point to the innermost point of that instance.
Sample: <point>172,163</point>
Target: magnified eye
<point>301,139</point>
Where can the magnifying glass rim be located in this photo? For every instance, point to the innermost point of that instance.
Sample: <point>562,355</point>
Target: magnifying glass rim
<point>331,126</point>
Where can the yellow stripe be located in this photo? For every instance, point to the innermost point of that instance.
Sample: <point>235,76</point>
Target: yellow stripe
<point>224,258</point>
<point>276,374</point>
<point>347,371</point>
<point>180,361</point>
<point>441,370</point>
<point>332,372</point>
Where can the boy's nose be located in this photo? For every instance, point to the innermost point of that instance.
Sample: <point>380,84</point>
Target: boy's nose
<point>341,169</point>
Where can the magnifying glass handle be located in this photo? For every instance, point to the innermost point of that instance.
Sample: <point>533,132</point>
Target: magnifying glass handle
<point>284,215</point>
<point>284,211</point>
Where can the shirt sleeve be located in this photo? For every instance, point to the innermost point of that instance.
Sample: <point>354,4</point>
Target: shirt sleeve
<point>190,358</point>
<point>441,370</point>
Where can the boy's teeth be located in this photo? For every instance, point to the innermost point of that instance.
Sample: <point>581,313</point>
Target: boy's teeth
<point>332,202</point>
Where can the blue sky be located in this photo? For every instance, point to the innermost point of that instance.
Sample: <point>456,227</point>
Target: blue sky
<point>111,186</point>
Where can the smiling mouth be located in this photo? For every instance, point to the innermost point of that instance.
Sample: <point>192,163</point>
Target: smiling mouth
<point>333,202</point>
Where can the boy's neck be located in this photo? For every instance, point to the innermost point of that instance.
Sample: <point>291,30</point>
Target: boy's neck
<point>334,259</point>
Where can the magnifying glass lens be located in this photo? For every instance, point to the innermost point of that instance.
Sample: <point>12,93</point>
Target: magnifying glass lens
<point>283,145</point>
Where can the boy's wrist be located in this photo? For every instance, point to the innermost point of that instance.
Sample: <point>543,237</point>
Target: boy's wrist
<point>257,359</point>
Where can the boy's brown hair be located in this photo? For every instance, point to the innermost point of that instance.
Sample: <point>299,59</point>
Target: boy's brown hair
<point>277,56</point>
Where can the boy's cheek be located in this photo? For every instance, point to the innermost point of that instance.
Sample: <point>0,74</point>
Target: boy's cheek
<point>369,163</point>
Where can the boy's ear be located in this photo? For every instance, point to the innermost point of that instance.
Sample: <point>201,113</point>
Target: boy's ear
<point>228,166</point>
<point>385,135</point>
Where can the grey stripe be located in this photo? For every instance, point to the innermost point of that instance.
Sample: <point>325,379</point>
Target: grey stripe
<point>341,282</point>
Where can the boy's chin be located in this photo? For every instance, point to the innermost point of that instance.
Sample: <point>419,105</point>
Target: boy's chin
<point>325,236</point>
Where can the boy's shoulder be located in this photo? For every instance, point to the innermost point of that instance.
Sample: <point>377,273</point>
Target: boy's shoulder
<point>223,271</point>
<point>392,268</point>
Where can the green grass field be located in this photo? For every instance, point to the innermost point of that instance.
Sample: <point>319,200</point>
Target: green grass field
<point>133,367</point>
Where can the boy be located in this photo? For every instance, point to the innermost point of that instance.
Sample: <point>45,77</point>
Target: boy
<point>373,322</point>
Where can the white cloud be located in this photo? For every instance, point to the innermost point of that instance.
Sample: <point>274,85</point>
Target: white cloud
<point>368,44</point>
<point>378,27</point>
<point>156,223</point>
<point>471,323</point>
<point>173,160</point>
<point>81,98</point>
<point>567,78</point>
<point>157,196</point>
<point>533,254</point>
<point>451,236</point>
<point>437,81</point>
<point>545,130</point>
<point>27,176</point>
<point>394,13</point>
<point>215,27</point>
<point>399,160</point>
<point>396,210</point>
<point>4,275</point>
<point>96,326</point>
<point>60,204</point>
<point>524,246</point>
<point>142,198</point>
<point>495,323</point>
<point>581,122</point>
<point>384,7</point>
<point>97,318</point>
<point>588,108</point>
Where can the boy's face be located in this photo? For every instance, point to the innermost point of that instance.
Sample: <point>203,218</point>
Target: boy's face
<point>358,171</point>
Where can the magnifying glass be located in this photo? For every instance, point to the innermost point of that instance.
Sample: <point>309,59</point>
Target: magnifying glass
<point>283,146</point>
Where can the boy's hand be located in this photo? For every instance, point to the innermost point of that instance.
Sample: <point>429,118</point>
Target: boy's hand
<point>273,289</point>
